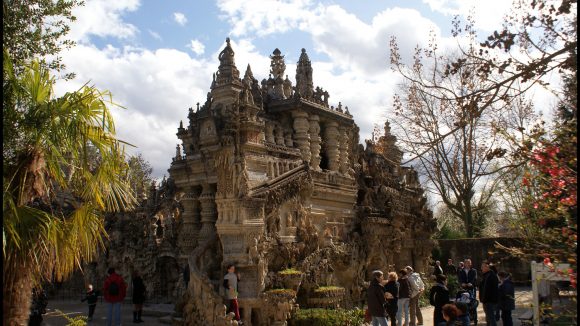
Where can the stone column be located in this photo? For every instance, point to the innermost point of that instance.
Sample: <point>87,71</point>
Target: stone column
<point>343,159</point>
<point>331,140</point>
<point>191,222</point>
<point>279,133</point>
<point>315,142</point>
<point>269,132</point>
<point>208,212</point>
<point>301,127</point>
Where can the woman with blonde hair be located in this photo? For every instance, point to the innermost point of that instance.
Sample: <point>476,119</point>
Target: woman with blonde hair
<point>392,296</point>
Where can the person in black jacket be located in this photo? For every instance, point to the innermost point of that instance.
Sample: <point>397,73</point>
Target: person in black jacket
<point>392,296</point>
<point>489,293</point>
<point>438,297</point>
<point>138,297</point>
<point>404,298</point>
<point>507,301</point>
<point>91,298</point>
<point>376,300</point>
<point>467,278</point>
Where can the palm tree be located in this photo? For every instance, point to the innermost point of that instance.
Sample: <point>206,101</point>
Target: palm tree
<point>55,192</point>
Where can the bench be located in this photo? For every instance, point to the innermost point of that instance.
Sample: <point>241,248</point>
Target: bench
<point>527,318</point>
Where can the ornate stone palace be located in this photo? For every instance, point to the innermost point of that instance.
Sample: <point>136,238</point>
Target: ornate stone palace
<point>271,178</point>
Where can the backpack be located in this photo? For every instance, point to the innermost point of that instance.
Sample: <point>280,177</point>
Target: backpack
<point>114,289</point>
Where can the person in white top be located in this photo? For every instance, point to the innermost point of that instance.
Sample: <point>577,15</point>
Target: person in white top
<point>417,288</point>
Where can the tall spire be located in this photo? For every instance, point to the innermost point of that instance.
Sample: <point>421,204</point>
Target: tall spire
<point>227,71</point>
<point>249,76</point>
<point>304,83</point>
<point>277,65</point>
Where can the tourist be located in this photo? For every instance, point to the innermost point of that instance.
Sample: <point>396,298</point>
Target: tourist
<point>404,297</point>
<point>460,267</point>
<point>91,298</point>
<point>507,301</point>
<point>417,289</point>
<point>488,293</point>
<point>376,300</point>
<point>231,280</point>
<point>115,290</point>
<point>138,297</point>
<point>450,269</point>
<point>437,270</point>
<point>392,296</point>
<point>438,297</point>
<point>467,278</point>
<point>38,307</point>
<point>450,315</point>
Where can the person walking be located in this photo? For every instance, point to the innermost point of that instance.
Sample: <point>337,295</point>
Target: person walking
<point>489,293</point>
<point>404,297</point>
<point>114,290</point>
<point>231,280</point>
<point>438,297</point>
<point>417,289</point>
<point>138,297</point>
<point>376,300</point>
<point>392,296</point>
<point>91,298</point>
<point>507,301</point>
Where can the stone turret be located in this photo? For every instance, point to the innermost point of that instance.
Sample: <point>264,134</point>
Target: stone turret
<point>227,73</point>
<point>304,84</point>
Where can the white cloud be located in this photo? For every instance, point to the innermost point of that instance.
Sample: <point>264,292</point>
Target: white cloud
<point>489,15</point>
<point>197,47</point>
<point>179,18</point>
<point>156,88</point>
<point>263,17</point>
<point>155,35</point>
<point>103,18</point>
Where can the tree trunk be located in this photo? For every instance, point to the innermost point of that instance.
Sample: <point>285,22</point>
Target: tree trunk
<point>17,293</point>
<point>469,220</point>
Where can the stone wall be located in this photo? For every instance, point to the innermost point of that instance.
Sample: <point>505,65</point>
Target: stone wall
<point>482,249</point>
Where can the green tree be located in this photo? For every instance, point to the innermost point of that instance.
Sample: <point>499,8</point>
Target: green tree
<point>36,29</point>
<point>139,174</point>
<point>47,159</point>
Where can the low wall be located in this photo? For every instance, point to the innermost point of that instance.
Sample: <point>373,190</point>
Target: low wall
<point>484,249</point>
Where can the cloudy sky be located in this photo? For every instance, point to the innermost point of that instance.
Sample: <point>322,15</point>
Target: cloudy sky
<point>157,57</point>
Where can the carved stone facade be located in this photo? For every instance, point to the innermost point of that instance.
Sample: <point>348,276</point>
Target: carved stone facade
<point>274,178</point>
<point>269,176</point>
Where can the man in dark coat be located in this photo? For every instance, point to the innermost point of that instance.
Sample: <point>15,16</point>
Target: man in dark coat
<point>450,269</point>
<point>376,300</point>
<point>438,297</point>
<point>507,300</point>
<point>138,297</point>
<point>467,278</point>
<point>489,293</point>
